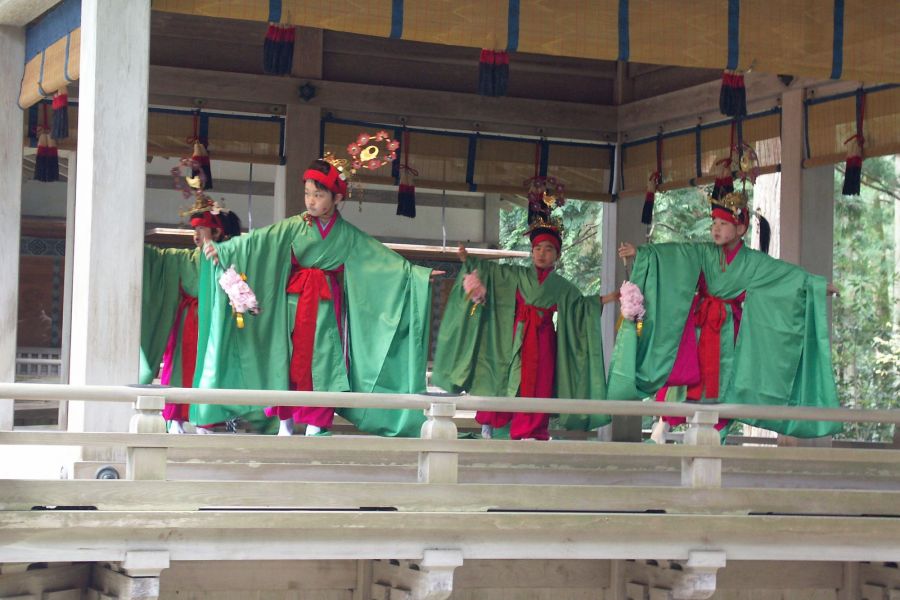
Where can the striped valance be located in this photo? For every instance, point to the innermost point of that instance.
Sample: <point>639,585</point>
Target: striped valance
<point>52,52</point>
<point>831,120</point>
<point>688,156</point>
<point>838,39</point>
<point>484,163</point>
<point>234,137</point>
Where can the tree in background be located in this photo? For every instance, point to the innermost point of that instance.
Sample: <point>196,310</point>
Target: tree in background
<point>866,317</point>
<point>581,261</point>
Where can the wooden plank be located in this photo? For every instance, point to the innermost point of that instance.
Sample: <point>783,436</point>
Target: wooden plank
<point>243,535</point>
<point>556,119</point>
<point>281,448</point>
<point>112,393</point>
<point>18,495</point>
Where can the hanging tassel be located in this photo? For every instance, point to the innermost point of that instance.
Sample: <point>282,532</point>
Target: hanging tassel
<point>406,195</point>
<point>853,166</point>
<point>486,73</point>
<point>59,126</point>
<point>406,201</point>
<point>733,94</point>
<point>724,183</point>
<point>501,72</point>
<point>286,52</point>
<point>46,163</point>
<point>201,157</point>
<point>270,55</point>
<point>649,197</point>
<point>765,233</point>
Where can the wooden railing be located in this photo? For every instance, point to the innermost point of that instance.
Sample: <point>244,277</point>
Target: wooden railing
<point>452,491</point>
<point>438,449</point>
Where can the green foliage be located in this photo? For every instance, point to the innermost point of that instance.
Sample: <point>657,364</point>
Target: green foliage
<point>581,261</point>
<point>866,332</point>
<point>680,216</point>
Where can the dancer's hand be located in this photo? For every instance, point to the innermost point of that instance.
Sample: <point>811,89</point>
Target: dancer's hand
<point>461,251</point>
<point>627,250</point>
<point>610,297</point>
<point>210,251</point>
<point>435,274</point>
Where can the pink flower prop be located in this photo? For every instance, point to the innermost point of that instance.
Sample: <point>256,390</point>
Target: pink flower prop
<point>473,287</point>
<point>632,302</point>
<point>240,295</point>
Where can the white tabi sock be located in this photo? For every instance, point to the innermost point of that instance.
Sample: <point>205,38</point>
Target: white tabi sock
<point>204,430</point>
<point>312,429</point>
<point>660,429</point>
<point>286,427</point>
<point>176,427</point>
<point>487,432</point>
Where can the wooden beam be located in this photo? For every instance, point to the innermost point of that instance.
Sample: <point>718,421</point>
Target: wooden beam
<point>152,495</point>
<point>272,535</point>
<point>683,108</point>
<point>419,107</point>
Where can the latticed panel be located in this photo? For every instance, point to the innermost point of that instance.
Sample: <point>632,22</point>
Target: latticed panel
<point>583,170</point>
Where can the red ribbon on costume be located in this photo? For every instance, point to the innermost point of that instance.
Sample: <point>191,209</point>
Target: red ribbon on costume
<point>311,285</point>
<point>187,308</point>
<point>710,316</point>
<point>188,339</point>
<point>538,349</point>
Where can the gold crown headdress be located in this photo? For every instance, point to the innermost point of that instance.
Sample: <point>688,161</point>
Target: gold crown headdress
<point>192,185</point>
<point>544,195</point>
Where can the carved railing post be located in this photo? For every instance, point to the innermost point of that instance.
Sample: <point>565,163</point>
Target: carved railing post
<point>702,472</point>
<point>437,569</point>
<point>147,463</point>
<point>439,467</point>
<point>698,581</point>
<point>135,578</point>
<point>428,579</point>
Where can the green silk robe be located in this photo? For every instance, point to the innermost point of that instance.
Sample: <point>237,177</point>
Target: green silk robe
<point>477,352</point>
<point>387,302</point>
<point>165,269</point>
<point>782,354</point>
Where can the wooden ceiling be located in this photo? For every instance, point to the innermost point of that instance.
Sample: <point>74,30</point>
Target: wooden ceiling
<point>236,46</point>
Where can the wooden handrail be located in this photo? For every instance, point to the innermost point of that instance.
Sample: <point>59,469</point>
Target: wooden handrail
<point>37,391</point>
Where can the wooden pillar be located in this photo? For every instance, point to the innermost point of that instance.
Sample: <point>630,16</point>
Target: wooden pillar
<point>806,212</point>
<point>790,230</point>
<point>12,61</point>
<point>302,126</point>
<point>109,220</point>
<point>301,147</point>
<point>628,228</point>
<point>491,231</point>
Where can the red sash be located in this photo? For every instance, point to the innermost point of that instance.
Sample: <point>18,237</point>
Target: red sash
<point>311,285</point>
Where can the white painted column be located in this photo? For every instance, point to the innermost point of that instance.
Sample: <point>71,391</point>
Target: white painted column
<point>66,337</point>
<point>790,231</point>
<point>109,220</point>
<point>12,64</point>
